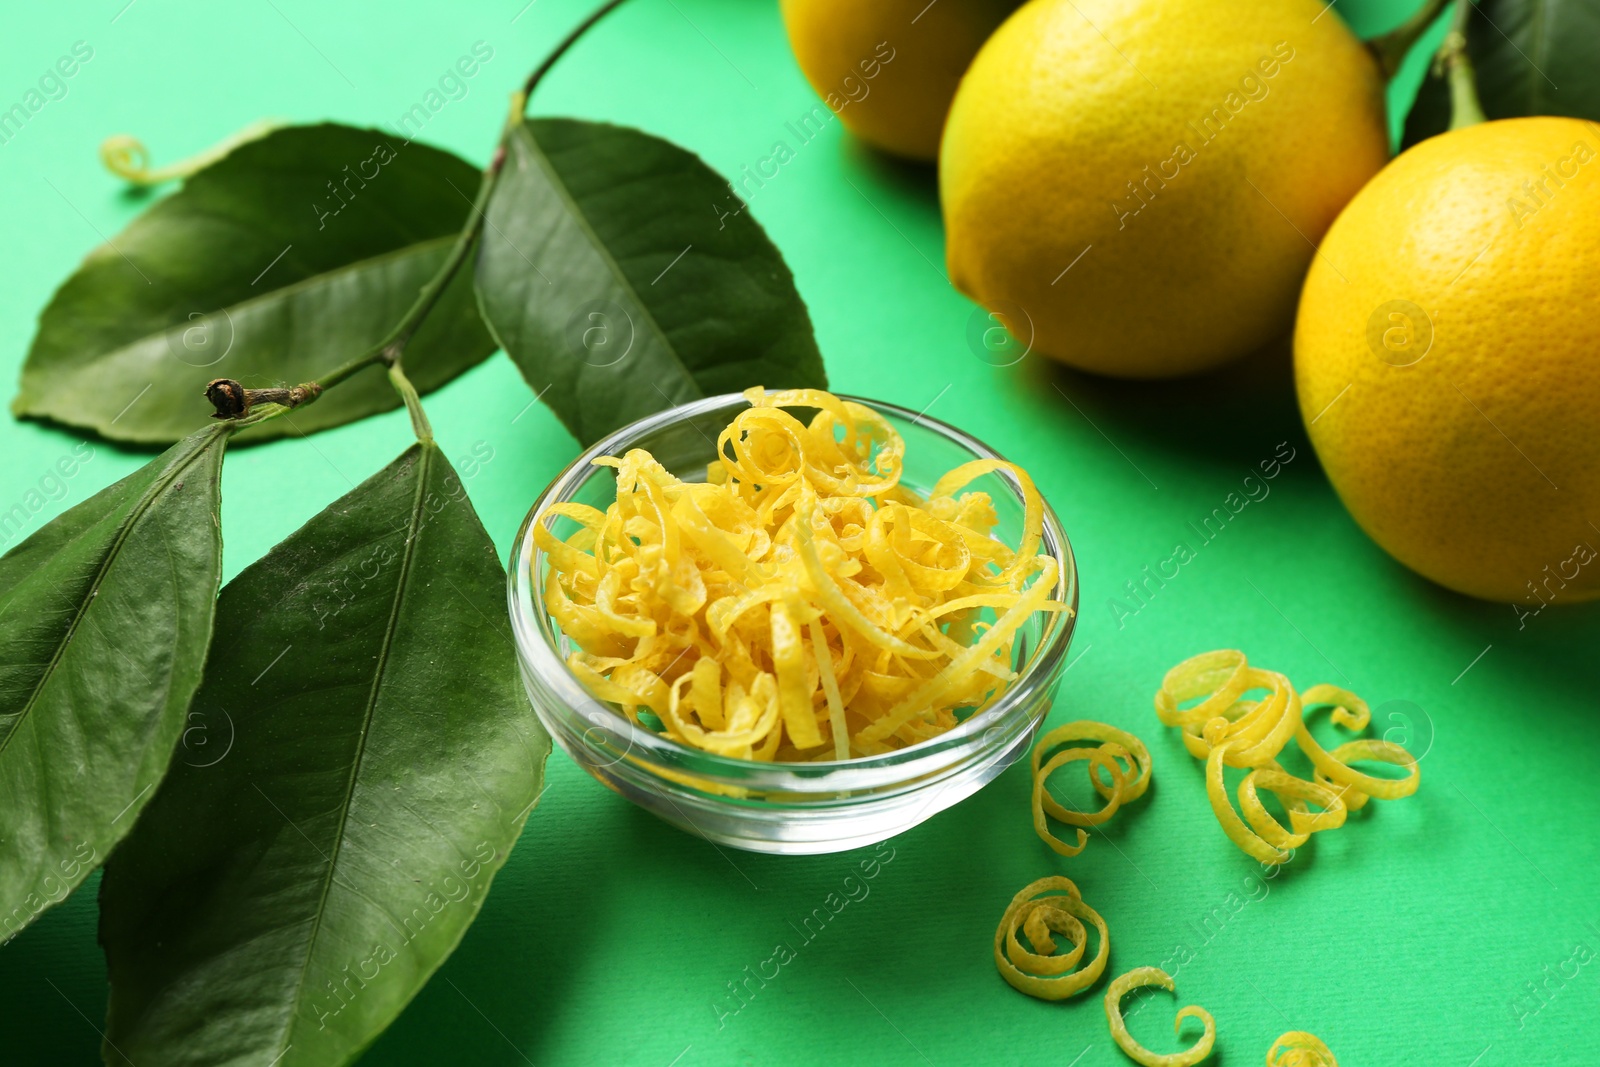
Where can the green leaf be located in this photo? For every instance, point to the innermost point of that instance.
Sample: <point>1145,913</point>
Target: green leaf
<point>1533,57</point>
<point>283,903</point>
<point>105,615</point>
<point>623,276</point>
<point>283,260</point>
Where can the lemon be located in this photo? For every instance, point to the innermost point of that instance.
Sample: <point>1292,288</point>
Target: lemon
<point>1446,359</point>
<point>888,68</point>
<point>1135,186</point>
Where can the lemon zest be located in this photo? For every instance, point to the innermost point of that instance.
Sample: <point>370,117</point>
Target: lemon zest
<point>801,603</point>
<point>1351,712</point>
<point>1300,1049</point>
<point>1119,755</point>
<point>1224,728</point>
<point>1121,986</point>
<point>1042,972</point>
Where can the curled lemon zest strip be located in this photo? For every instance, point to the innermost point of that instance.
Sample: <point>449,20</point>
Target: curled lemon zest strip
<point>1249,842</point>
<point>1225,727</point>
<point>1120,754</point>
<point>1294,793</point>
<point>1121,986</point>
<point>1049,975</point>
<point>1044,803</point>
<point>1219,677</point>
<point>841,613</point>
<point>1261,727</point>
<point>126,156</point>
<point>1130,745</point>
<point>1351,711</point>
<point>1300,1049</point>
<point>1034,598</point>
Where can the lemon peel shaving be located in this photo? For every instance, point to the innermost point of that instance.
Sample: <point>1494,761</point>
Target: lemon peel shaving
<point>801,603</point>
<point>1041,972</point>
<point>1121,986</point>
<point>1300,1049</point>
<point>1226,729</point>
<point>1351,712</point>
<point>1119,755</point>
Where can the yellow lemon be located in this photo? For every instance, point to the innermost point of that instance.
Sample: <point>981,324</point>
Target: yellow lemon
<point>1446,359</point>
<point>1136,186</point>
<point>888,68</point>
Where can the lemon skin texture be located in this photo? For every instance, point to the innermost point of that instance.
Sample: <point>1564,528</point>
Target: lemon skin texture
<point>897,104</point>
<point>1189,152</point>
<point>1447,359</point>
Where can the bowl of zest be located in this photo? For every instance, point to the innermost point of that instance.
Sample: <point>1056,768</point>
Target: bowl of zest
<point>791,622</point>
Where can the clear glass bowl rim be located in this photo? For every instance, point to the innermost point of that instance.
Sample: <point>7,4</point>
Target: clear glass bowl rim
<point>536,635</point>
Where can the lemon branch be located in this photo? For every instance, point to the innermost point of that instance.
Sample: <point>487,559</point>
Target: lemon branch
<point>566,42</point>
<point>1465,108</point>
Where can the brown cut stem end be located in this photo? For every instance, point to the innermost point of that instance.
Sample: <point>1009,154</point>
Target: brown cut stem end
<point>233,401</point>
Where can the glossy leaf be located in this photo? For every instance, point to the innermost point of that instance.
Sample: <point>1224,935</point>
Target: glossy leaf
<point>281,901</point>
<point>623,276</point>
<point>105,615</point>
<point>1533,57</point>
<point>283,260</point>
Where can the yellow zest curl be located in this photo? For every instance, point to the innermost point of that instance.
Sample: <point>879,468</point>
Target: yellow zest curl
<point>800,604</point>
<point>1300,1049</point>
<point>1121,986</point>
<point>1120,755</point>
<point>1335,765</point>
<point>1042,972</point>
<point>1226,728</point>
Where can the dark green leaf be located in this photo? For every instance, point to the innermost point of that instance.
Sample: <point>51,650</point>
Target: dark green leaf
<point>105,615</point>
<point>281,905</point>
<point>1533,57</point>
<point>288,257</point>
<point>623,276</point>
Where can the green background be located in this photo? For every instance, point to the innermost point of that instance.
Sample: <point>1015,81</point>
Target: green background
<point>1407,937</point>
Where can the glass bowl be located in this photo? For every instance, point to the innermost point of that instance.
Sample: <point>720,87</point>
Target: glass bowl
<point>785,808</point>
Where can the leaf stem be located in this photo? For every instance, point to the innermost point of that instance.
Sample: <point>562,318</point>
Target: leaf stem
<point>1391,48</point>
<point>566,42</point>
<point>1465,107</point>
<point>258,416</point>
<point>408,392</point>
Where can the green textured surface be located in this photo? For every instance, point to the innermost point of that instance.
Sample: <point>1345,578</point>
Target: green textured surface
<point>1439,929</point>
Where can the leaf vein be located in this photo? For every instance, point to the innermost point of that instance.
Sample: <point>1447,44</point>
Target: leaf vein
<point>413,535</point>
<point>140,508</point>
<point>604,251</point>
